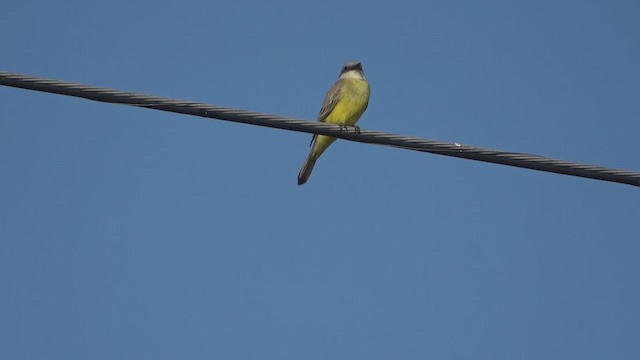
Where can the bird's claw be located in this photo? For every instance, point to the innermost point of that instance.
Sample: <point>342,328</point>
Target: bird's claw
<point>345,128</point>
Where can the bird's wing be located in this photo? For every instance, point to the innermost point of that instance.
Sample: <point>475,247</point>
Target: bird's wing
<point>330,101</point>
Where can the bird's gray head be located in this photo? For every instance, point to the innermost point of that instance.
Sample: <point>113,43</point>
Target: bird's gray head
<point>351,66</point>
<point>352,70</point>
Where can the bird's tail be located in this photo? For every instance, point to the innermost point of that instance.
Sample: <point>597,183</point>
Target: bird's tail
<point>307,168</point>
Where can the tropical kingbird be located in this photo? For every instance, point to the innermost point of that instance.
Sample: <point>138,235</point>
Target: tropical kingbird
<point>343,105</point>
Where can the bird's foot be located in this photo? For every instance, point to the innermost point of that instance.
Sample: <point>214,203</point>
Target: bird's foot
<point>345,128</point>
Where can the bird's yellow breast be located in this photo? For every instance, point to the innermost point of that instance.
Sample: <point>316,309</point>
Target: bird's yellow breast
<point>354,98</point>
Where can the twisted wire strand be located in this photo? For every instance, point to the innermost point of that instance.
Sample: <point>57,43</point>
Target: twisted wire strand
<point>521,160</point>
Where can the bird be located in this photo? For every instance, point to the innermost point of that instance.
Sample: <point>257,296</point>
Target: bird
<point>343,105</point>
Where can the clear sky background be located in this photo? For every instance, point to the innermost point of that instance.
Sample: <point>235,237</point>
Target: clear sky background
<point>128,233</point>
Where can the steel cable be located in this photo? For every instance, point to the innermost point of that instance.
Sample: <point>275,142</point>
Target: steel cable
<point>527,161</point>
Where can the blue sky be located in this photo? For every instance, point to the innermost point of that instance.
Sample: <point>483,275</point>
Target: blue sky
<point>128,233</point>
